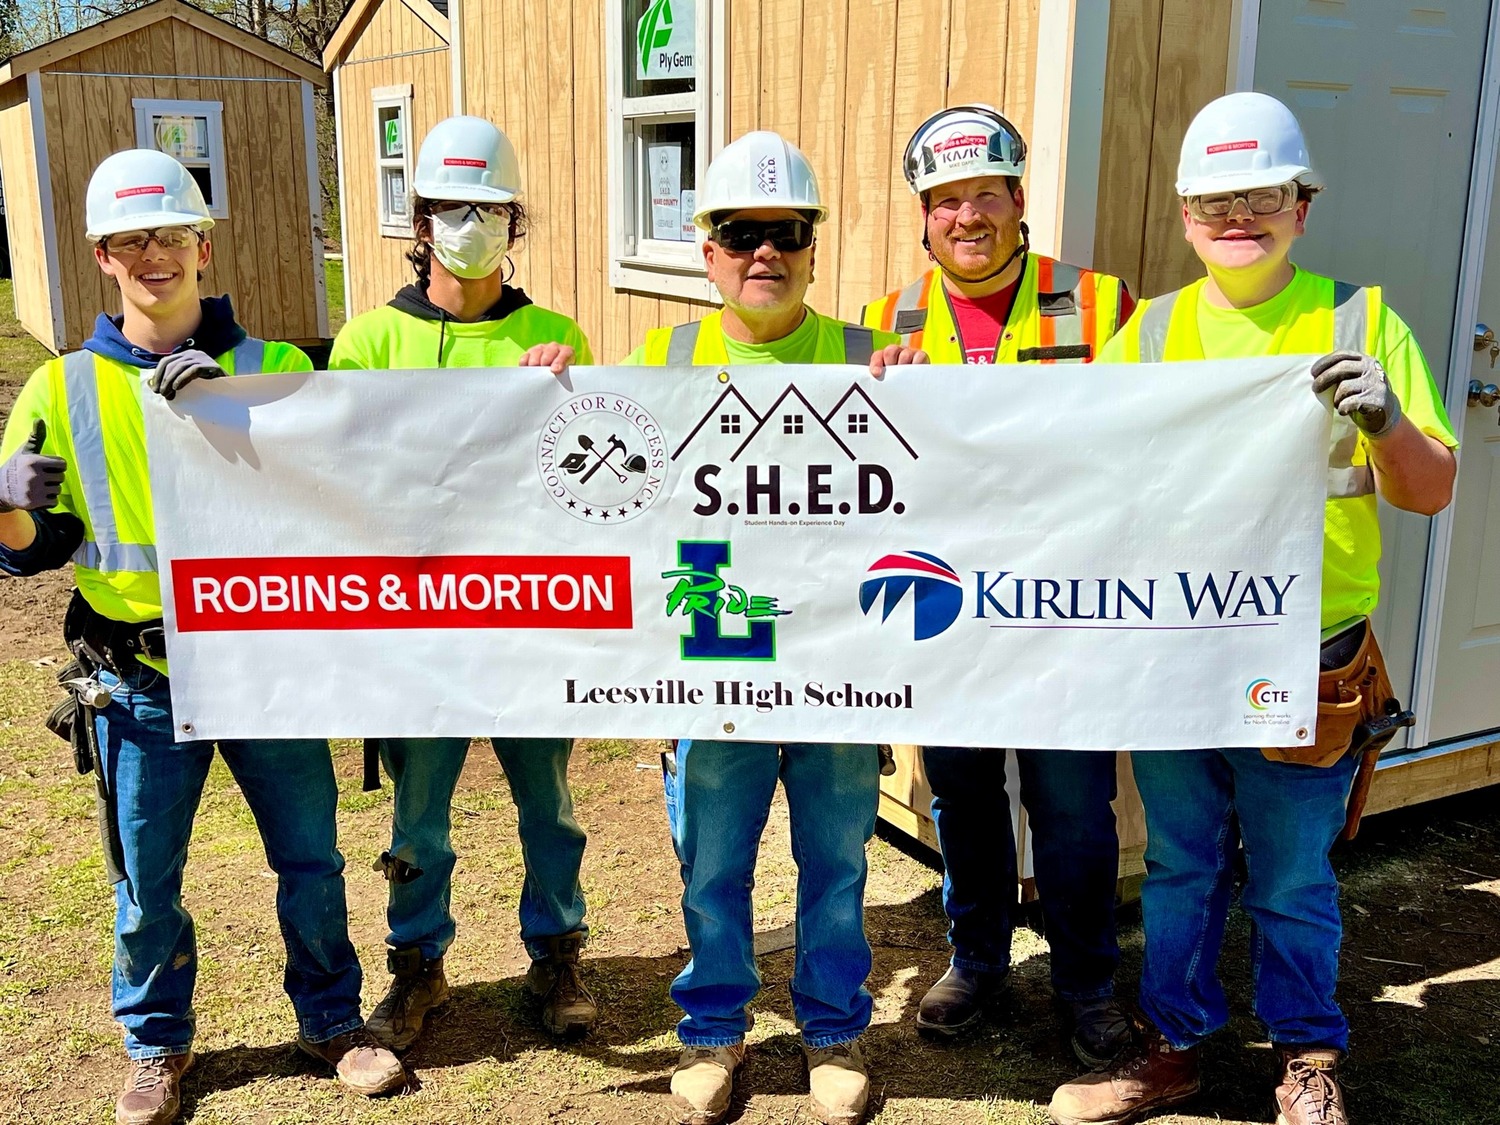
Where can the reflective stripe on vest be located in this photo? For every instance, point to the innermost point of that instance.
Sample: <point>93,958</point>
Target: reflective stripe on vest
<point>1351,328</point>
<point>909,314</point>
<point>682,344</point>
<point>105,552</point>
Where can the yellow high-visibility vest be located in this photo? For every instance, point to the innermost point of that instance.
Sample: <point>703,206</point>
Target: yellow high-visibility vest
<point>701,342</point>
<point>1061,314</point>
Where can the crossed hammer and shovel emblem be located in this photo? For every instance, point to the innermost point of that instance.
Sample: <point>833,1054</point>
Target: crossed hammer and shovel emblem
<point>575,463</point>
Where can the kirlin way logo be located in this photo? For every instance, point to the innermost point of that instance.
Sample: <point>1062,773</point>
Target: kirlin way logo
<point>937,592</point>
<point>701,594</point>
<point>602,458</point>
<point>794,460</point>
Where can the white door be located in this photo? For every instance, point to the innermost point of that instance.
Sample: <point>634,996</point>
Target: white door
<point>1465,699</point>
<point>1388,95</point>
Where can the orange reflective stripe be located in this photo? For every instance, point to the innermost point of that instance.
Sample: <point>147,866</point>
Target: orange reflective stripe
<point>922,301</point>
<point>888,312</point>
<point>1087,295</point>
<point>1046,329</point>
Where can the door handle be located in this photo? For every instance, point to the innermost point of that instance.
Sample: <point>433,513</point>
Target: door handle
<point>1483,394</point>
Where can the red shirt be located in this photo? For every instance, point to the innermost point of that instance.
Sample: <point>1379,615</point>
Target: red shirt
<point>980,320</point>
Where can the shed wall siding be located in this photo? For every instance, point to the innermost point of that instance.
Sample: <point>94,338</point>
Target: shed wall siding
<point>263,250</point>
<point>23,204</point>
<point>846,81</point>
<point>374,263</point>
<point>1167,59</point>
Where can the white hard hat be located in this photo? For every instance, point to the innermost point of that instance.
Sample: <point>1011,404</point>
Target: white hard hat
<point>760,170</point>
<point>960,143</point>
<point>468,160</point>
<point>1240,141</point>
<point>141,189</point>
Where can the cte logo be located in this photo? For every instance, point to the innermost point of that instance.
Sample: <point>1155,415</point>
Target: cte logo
<point>937,596</point>
<point>703,596</point>
<point>1264,694</point>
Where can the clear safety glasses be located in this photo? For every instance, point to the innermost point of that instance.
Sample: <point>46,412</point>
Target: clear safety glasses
<point>1259,201</point>
<point>131,243</point>
<point>462,212</point>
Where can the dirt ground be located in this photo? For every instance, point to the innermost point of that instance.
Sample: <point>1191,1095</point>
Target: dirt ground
<point>1421,960</point>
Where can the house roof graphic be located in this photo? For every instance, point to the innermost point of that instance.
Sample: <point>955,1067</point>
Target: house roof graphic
<point>728,392</point>
<point>822,421</point>
<point>856,390</point>
<point>821,418</point>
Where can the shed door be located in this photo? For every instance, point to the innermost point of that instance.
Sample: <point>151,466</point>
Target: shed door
<point>1388,95</point>
<point>1464,698</point>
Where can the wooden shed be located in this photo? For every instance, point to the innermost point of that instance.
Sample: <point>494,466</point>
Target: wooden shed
<point>616,109</point>
<point>235,109</point>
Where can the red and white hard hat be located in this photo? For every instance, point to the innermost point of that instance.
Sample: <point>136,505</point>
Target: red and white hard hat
<point>960,143</point>
<point>467,160</point>
<point>141,189</point>
<point>1240,141</point>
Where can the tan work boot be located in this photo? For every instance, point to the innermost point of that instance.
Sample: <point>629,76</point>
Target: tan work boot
<point>838,1083</point>
<point>703,1082</point>
<point>153,1092</point>
<point>418,987</point>
<point>1150,1075</point>
<point>567,1007</point>
<point>359,1061</point>
<point>1309,1093</point>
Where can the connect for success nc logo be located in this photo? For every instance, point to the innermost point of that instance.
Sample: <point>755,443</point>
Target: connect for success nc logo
<point>937,593</point>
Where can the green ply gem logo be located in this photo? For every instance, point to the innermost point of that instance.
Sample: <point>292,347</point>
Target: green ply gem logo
<point>655,29</point>
<point>665,39</point>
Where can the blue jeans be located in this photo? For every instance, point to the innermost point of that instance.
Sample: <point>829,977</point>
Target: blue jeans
<point>1075,851</point>
<point>425,774</point>
<point>1199,804</point>
<point>717,803</point>
<point>156,785</point>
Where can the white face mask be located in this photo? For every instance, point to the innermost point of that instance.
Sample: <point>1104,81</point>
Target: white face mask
<point>469,242</point>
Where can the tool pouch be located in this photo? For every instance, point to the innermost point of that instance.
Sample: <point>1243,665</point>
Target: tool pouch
<point>1354,695</point>
<point>70,720</point>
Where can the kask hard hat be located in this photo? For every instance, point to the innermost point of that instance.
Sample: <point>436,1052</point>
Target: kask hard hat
<point>1243,140</point>
<point>759,170</point>
<point>467,160</point>
<point>141,189</point>
<point>959,143</point>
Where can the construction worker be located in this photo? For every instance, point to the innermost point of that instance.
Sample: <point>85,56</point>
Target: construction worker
<point>989,299</point>
<point>74,486</point>
<point>760,208</point>
<point>1247,184</point>
<point>461,313</point>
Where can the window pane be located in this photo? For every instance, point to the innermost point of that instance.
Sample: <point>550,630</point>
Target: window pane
<point>181,136</point>
<point>668,180</point>
<point>660,45</point>
<point>203,175</point>
<point>392,131</point>
<point>393,192</point>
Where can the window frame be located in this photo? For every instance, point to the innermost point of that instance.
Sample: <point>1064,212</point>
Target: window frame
<point>655,266</point>
<point>213,111</point>
<point>399,98</point>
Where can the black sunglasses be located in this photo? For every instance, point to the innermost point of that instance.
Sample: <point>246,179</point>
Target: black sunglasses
<point>745,236</point>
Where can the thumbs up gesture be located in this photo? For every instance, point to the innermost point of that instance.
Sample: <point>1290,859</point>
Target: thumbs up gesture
<point>31,480</point>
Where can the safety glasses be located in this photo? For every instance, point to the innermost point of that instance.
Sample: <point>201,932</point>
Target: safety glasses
<point>1259,201</point>
<point>744,236</point>
<point>463,212</point>
<point>130,243</point>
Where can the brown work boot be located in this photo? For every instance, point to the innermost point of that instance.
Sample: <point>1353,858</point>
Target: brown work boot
<point>1150,1075</point>
<point>703,1082</point>
<point>418,987</point>
<point>153,1092</point>
<point>359,1061</point>
<point>567,1007</point>
<point>838,1083</point>
<point>1309,1093</point>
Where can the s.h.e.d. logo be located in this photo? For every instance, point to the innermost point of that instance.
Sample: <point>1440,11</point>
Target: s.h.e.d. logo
<point>937,590</point>
<point>701,594</point>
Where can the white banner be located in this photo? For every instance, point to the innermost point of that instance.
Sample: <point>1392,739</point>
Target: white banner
<point>1070,557</point>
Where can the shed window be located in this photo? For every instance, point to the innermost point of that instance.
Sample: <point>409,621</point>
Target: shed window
<point>193,132</point>
<point>393,156</point>
<point>667,62</point>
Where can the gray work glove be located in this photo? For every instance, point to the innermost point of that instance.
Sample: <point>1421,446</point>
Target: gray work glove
<point>1360,390</point>
<point>180,368</point>
<point>29,480</point>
